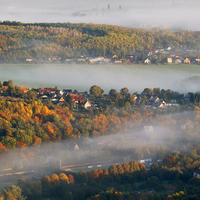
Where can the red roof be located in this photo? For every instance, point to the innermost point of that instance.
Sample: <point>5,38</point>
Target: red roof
<point>76,97</point>
<point>45,89</point>
<point>170,187</point>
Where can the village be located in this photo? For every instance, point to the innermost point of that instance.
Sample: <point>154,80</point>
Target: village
<point>166,55</point>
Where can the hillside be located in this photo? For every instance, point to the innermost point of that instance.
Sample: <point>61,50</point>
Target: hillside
<point>41,41</point>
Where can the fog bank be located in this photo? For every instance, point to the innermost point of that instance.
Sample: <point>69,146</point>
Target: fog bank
<point>172,14</point>
<point>82,77</point>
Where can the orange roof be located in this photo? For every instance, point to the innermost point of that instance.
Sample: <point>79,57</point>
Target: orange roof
<point>5,87</point>
<point>24,89</point>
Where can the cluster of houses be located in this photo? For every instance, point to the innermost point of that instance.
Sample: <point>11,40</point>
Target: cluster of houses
<point>149,56</point>
<point>154,102</point>
<point>58,97</point>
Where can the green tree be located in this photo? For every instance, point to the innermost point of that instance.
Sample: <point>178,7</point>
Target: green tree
<point>112,92</point>
<point>113,170</point>
<point>96,90</point>
<point>124,90</point>
<point>134,166</point>
<point>82,177</point>
<point>69,101</point>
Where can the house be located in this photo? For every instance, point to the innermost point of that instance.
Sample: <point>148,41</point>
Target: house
<point>76,98</point>
<point>43,91</point>
<point>177,60</point>
<point>154,99</point>
<point>197,59</point>
<point>117,61</point>
<point>187,61</point>
<point>170,188</point>
<point>196,173</point>
<point>114,56</point>
<point>107,60</point>
<point>24,89</point>
<point>76,147</point>
<point>61,100</point>
<point>54,58</point>
<point>161,104</point>
<point>87,104</point>
<point>81,60</point>
<point>29,59</point>
<point>168,48</point>
<point>147,61</point>
<point>169,60</point>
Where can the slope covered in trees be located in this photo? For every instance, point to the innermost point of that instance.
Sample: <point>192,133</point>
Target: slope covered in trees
<point>19,41</point>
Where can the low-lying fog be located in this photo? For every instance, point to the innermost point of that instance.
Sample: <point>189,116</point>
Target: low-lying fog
<point>113,148</point>
<point>171,14</point>
<point>82,77</point>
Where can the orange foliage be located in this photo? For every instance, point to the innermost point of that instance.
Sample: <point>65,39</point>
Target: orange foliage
<point>2,148</point>
<point>21,144</point>
<point>71,179</point>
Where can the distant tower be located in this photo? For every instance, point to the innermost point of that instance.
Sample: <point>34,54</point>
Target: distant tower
<point>120,7</point>
<point>108,6</point>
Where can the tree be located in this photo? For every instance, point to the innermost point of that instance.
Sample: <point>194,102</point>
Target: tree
<point>71,179</point>
<point>46,180</point>
<point>113,170</point>
<point>120,169</point>
<point>69,101</point>
<point>82,177</point>
<point>96,90</point>
<point>134,166</point>
<point>63,177</point>
<point>12,193</point>
<point>30,95</point>
<point>112,92</point>
<point>167,162</point>
<point>124,90</point>
<point>142,168</point>
<point>126,167</point>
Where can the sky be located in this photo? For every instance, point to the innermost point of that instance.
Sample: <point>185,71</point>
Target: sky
<point>166,14</point>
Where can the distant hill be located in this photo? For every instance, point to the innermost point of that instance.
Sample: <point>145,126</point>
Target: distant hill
<point>39,41</point>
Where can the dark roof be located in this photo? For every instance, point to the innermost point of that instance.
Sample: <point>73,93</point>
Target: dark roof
<point>197,171</point>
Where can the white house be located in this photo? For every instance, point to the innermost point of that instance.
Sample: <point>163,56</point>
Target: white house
<point>169,60</point>
<point>147,61</point>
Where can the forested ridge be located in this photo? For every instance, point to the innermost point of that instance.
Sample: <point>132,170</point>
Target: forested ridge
<point>19,41</point>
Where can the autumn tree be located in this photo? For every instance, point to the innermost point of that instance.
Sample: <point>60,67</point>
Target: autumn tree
<point>142,168</point>
<point>134,166</point>
<point>12,193</point>
<point>113,170</point>
<point>120,169</point>
<point>71,179</point>
<point>63,178</point>
<point>126,167</point>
